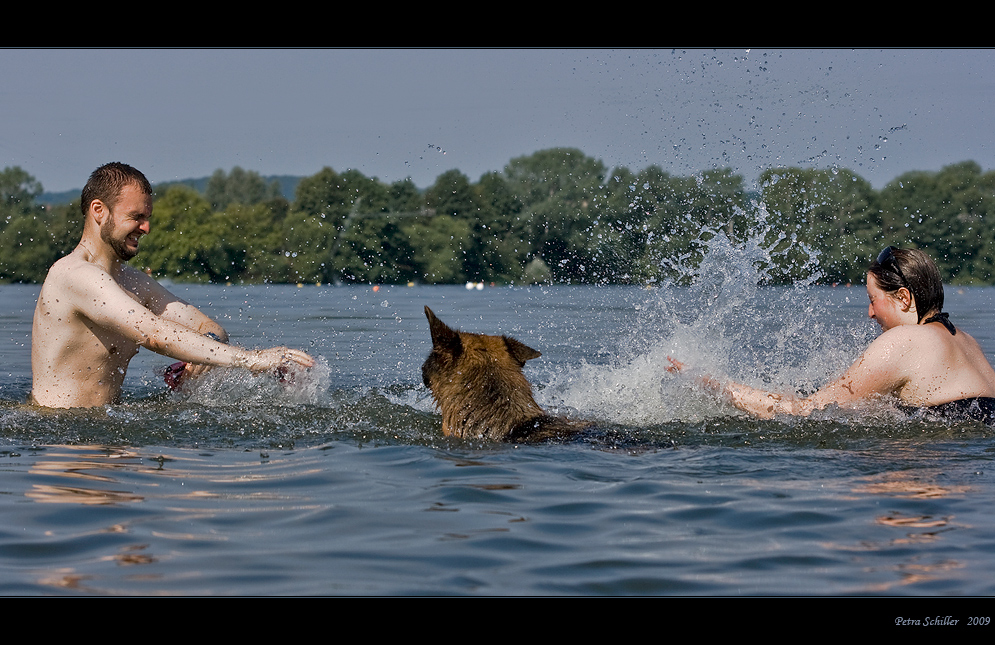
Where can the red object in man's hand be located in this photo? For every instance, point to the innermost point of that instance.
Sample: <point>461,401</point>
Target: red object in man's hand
<point>174,375</point>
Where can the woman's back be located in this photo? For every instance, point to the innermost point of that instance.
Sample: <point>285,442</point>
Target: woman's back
<point>942,367</point>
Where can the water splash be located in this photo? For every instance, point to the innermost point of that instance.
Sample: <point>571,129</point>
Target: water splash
<point>237,387</point>
<point>732,321</point>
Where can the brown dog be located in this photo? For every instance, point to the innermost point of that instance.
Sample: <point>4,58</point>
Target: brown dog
<point>477,382</point>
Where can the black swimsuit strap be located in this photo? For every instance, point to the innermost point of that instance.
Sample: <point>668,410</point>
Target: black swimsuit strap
<point>945,320</point>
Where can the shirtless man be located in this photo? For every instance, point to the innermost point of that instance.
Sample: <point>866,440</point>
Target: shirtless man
<point>94,310</point>
<point>920,358</point>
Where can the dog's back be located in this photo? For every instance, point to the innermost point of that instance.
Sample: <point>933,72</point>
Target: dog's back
<point>477,382</point>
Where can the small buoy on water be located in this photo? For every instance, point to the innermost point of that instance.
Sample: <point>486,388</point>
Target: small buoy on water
<point>376,288</point>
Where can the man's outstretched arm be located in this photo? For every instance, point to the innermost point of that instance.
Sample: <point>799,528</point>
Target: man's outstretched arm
<point>107,304</point>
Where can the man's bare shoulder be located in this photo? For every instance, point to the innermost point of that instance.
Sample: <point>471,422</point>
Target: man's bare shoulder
<point>64,265</point>
<point>75,285</point>
<point>68,274</point>
<point>149,292</point>
<point>74,274</point>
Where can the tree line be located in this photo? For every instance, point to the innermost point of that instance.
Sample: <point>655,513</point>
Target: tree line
<point>556,216</point>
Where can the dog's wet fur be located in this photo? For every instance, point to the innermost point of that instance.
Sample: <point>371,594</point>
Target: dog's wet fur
<point>478,385</point>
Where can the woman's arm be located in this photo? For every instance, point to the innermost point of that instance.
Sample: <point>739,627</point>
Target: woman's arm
<point>881,370</point>
<point>757,402</point>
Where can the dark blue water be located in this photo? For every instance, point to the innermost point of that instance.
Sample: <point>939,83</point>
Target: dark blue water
<point>342,484</point>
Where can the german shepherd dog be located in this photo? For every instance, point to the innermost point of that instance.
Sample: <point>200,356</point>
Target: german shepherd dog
<point>478,385</point>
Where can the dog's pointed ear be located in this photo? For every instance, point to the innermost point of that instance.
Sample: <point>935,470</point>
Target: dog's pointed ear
<point>442,336</point>
<point>520,351</point>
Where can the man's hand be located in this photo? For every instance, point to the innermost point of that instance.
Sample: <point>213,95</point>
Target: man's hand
<point>277,358</point>
<point>179,373</point>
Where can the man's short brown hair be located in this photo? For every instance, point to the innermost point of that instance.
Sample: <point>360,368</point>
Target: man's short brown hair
<point>107,182</point>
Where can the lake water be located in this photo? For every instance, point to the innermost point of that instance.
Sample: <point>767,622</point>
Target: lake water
<point>343,484</point>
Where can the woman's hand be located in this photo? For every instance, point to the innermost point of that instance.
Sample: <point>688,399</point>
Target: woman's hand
<point>706,381</point>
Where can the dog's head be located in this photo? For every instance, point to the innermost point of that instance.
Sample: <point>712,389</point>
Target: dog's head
<point>453,350</point>
<point>477,382</point>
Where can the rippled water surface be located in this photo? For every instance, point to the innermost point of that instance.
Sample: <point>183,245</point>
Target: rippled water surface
<point>342,483</point>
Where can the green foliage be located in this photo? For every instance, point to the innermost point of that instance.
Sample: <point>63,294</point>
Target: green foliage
<point>32,237</point>
<point>28,247</point>
<point>254,233</point>
<point>447,246</point>
<point>325,194</point>
<point>440,244</point>
<point>377,250</point>
<point>553,216</point>
<point>403,196</point>
<point>673,213</point>
<point>172,247</point>
<point>18,191</point>
<point>950,215</point>
<point>239,187</point>
<point>833,211</point>
<point>307,244</point>
<point>500,248</point>
<point>557,189</point>
<point>190,242</point>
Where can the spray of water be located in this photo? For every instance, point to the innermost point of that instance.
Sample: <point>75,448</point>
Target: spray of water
<point>730,322</point>
<point>227,387</point>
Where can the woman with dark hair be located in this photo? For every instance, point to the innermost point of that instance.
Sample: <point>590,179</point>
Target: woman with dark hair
<point>921,358</point>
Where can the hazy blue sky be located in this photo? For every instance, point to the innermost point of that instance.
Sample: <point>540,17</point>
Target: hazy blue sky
<point>393,113</point>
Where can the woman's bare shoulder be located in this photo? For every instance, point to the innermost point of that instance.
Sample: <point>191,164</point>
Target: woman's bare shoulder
<point>902,337</point>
